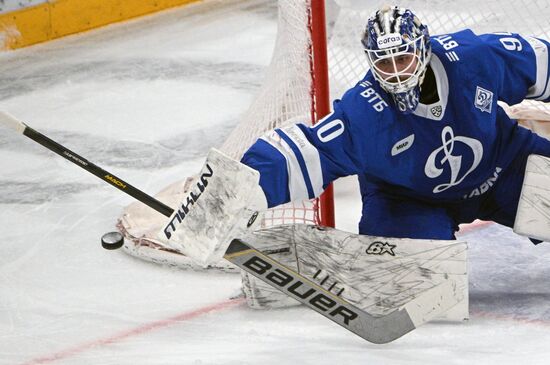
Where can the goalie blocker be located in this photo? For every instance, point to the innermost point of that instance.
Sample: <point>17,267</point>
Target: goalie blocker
<point>224,204</point>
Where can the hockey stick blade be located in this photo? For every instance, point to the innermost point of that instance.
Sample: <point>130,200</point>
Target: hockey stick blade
<point>374,329</point>
<point>378,330</point>
<point>11,122</point>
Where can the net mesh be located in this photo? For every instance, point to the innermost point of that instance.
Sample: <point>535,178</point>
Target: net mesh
<point>285,98</point>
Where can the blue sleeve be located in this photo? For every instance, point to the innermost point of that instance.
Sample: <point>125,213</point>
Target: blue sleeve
<point>521,66</point>
<point>298,162</point>
<point>271,164</point>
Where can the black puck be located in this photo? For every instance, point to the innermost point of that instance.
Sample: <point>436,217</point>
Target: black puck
<point>112,240</point>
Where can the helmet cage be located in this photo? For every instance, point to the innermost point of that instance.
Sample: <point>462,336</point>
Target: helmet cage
<point>399,69</point>
<point>398,51</point>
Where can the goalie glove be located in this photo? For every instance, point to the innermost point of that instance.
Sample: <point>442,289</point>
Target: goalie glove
<point>224,204</point>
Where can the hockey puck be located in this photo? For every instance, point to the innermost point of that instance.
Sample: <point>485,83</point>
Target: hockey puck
<point>112,240</point>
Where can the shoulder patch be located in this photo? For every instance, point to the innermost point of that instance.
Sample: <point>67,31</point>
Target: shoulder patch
<point>483,100</point>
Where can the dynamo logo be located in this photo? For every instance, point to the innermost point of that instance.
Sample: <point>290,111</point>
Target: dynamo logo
<point>444,155</point>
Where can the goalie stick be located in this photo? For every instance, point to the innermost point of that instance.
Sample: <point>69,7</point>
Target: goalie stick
<point>377,330</point>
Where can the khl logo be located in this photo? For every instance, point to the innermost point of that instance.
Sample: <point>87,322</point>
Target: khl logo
<point>444,155</point>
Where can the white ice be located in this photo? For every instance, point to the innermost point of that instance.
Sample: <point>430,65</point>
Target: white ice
<point>146,99</point>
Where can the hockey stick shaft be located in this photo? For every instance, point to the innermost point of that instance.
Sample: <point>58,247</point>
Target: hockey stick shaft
<point>20,127</point>
<point>374,329</point>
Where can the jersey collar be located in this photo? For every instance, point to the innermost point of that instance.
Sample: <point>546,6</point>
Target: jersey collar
<point>436,111</point>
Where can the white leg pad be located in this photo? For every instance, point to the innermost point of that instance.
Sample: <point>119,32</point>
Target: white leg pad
<point>533,214</point>
<point>377,274</point>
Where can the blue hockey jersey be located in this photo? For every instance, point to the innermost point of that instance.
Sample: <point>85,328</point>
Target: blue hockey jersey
<point>450,150</point>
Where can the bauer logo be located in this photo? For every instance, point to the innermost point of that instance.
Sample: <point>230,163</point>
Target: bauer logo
<point>180,214</point>
<point>380,248</point>
<point>301,291</point>
<point>389,40</point>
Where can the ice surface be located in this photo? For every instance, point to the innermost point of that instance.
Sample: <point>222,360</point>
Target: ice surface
<point>145,100</point>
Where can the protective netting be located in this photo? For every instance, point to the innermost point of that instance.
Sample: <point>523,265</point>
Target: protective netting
<point>285,98</point>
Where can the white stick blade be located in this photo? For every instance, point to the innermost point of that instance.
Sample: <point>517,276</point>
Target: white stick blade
<point>10,121</point>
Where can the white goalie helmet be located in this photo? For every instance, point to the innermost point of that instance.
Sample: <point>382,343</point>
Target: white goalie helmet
<point>398,51</point>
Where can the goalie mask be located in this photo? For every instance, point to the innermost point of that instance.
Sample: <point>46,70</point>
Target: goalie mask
<point>398,50</point>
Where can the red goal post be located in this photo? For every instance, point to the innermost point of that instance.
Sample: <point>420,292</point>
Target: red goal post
<point>321,96</point>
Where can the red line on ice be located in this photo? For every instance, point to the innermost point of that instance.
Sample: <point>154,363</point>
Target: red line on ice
<point>135,332</point>
<point>512,318</point>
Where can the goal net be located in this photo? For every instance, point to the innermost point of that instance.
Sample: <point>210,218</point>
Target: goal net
<point>288,94</point>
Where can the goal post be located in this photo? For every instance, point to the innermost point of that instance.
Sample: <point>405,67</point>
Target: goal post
<point>321,95</point>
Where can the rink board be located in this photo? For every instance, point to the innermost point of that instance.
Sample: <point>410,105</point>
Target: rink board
<point>54,19</point>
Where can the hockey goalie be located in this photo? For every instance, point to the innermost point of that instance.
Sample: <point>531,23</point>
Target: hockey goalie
<point>432,145</point>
